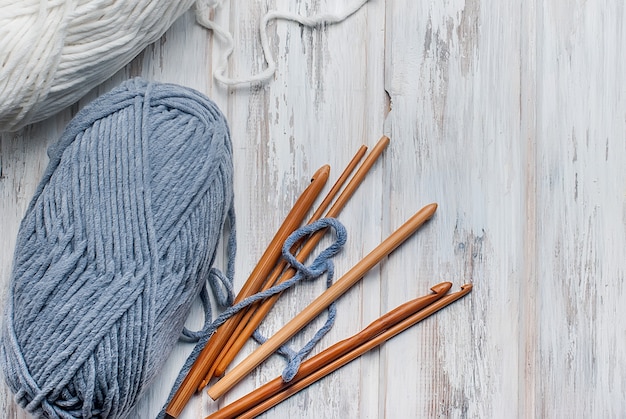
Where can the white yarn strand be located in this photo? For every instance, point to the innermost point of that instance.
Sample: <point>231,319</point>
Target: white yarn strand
<point>202,17</point>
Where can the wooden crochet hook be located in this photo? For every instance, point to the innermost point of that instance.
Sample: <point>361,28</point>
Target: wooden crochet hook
<point>254,317</point>
<point>324,300</point>
<point>255,281</point>
<point>276,391</point>
<point>334,352</point>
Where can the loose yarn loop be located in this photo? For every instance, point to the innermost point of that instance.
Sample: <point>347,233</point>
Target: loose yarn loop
<point>53,52</point>
<point>114,247</point>
<point>322,265</point>
<point>202,10</point>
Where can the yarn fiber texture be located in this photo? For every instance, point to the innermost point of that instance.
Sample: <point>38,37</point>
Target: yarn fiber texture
<point>116,244</point>
<point>53,52</point>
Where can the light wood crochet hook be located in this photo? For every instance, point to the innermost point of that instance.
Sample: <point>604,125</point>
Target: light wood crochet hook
<point>258,312</point>
<point>255,281</point>
<point>274,392</point>
<point>324,300</point>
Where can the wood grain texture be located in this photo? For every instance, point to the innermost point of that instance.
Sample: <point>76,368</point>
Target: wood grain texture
<point>510,115</point>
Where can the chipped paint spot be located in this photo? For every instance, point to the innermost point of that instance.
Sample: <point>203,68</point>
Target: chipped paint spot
<point>468,34</point>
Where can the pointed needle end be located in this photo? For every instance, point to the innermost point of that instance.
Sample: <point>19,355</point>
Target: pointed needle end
<point>431,209</point>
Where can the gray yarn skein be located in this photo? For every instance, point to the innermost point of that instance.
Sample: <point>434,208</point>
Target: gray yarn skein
<point>117,242</point>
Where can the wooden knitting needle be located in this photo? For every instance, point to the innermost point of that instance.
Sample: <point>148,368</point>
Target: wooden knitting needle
<point>323,301</point>
<point>252,320</point>
<point>263,398</point>
<point>259,274</point>
<point>334,352</point>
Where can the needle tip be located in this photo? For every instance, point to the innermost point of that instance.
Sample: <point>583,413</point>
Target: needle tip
<point>431,208</point>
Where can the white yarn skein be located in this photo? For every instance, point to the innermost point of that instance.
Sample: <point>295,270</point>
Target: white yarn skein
<point>202,17</point>
<point>52,52</point>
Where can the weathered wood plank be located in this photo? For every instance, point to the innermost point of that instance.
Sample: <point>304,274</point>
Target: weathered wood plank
<point>581,185</point>
<point>326,100</point>
<point>453,76</point>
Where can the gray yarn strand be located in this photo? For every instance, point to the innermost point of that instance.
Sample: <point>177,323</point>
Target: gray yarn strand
<point>117,242</point>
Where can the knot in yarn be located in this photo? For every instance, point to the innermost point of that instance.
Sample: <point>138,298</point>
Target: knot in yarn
<point>53,52</point>
<point>117,242</point>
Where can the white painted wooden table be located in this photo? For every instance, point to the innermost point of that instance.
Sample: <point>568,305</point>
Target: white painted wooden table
<point>509,114</point>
